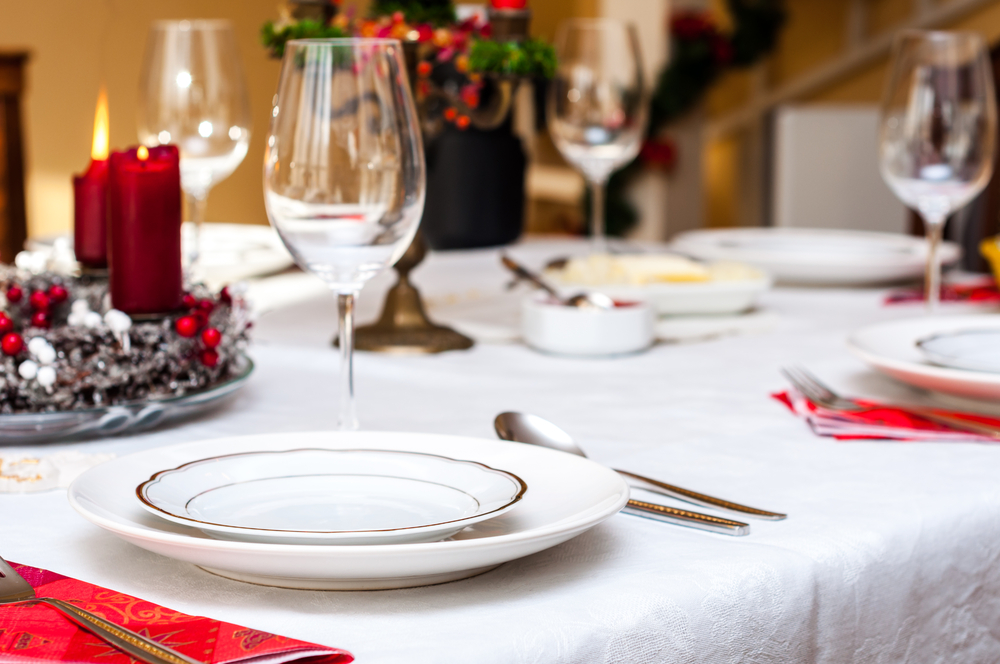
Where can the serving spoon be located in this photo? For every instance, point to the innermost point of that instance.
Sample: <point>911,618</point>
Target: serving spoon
<point>535,430</point>
<point>592,300</point>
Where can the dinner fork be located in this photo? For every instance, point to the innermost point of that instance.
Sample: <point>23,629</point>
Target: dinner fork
<point>15,590</point>
<point>819,393</point>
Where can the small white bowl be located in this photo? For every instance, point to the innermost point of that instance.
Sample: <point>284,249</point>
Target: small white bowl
<point>551,327</point>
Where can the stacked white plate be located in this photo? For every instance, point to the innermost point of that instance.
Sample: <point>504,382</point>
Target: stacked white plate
<point>360,510</point>
<point>817,256</point>
<point>955,355</point>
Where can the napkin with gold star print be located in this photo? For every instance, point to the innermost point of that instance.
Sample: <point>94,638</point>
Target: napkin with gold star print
<point>37,633</point>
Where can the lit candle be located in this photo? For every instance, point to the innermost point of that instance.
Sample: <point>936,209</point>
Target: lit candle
<point>144,220</point>
<point>90,219</point>
<point>509,4</point>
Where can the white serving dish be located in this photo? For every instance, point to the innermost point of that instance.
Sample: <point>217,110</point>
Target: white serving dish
<point>691,298</point>
<point>817,256</point>
<point>892,349</point>
<point>555,328</point>
<point>972,350</point>
<point>310,496</point>
<point>568,496</point>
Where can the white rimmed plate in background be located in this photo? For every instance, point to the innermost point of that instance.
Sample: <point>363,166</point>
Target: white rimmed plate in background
<point>317,496</point>
<point>892,348</point>
<point>817,256</point>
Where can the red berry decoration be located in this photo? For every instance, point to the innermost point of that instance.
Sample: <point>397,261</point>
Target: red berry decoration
<point>39,301</point>
<point>206,305</point>
<point>57,293</point>
<point>211,337</point>
<point>224,295</point>
<point>40,319</point>
<point>186,326</point>
<point>190,301</point>
<point>12,343</point>
<point>6,324</point>
<point>14,294</point>
<point>209,357</point>
<point>201,320</point>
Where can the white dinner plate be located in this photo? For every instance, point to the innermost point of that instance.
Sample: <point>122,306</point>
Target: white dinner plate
<point>817,256</point>
<point>892,349</point>
<point>317,496</point>
<point>973,350</point>
<point>569,495</point>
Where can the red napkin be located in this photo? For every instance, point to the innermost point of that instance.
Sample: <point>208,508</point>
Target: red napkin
<point>881,422</point>
<point>978,291</point>
<point>38,633</point>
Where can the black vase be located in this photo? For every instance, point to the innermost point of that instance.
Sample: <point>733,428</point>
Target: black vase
<point>475,188</point>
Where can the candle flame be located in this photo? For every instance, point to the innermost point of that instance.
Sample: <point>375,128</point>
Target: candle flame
<point>99,150</point>
<point>142,153</point>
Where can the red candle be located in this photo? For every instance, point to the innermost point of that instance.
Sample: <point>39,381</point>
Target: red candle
<point>90,195</point>
<point>144,220</point>
<point>509,4</point>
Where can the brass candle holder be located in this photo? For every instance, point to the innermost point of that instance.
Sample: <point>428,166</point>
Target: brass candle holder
<point>404,326</point>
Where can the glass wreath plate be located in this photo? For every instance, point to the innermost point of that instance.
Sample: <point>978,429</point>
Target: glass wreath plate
<point>127,417</point>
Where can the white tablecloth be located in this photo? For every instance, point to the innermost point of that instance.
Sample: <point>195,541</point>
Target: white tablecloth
<point>891,553</point>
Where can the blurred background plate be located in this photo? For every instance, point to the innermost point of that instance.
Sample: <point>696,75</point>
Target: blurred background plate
<point>817,256</point>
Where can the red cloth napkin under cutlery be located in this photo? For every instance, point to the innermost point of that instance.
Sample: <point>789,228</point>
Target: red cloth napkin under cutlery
<point>883,422</point>
<point>979,291</point>
<point>37,633</point>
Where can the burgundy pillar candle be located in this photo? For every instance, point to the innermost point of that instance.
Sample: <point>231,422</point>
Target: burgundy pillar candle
<point>144,222</point>
<point>90,196</point>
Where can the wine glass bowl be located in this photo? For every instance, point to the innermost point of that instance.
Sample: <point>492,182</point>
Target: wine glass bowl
<point>937,129</point>
<point>344,175</point>
<point>597,103</point>
<point>193,94</point>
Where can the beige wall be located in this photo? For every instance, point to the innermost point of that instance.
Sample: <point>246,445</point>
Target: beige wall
<point>77,43</point>
<point>815,33</point>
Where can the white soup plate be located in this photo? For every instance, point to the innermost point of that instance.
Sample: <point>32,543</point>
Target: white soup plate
<point>318,496</point>
<point>568,495</point>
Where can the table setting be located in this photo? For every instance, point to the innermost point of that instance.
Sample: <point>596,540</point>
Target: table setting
<point>645,452</point>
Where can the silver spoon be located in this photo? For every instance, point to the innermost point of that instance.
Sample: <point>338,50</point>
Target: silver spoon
<point>593,300</point>
<point>697,520</point>
<point>532,429</point>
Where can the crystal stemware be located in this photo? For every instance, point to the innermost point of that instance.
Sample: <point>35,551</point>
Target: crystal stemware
<point>597,104</point>
<point>344,176</point>
<point>937,130</point>
<point>192,93</point>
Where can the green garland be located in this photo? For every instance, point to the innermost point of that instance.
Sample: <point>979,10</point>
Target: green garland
<point>531,57</point>
<point>700,54</point>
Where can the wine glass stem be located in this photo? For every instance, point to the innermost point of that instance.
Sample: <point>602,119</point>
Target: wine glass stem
<point>598,241</point>
<point>932,280</point>
<point>196,208</point>
<point>347,420</point>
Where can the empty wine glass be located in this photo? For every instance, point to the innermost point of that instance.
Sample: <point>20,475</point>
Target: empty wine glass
<point>937,130</point>
<point>344,175</point>
<point>597,104</point>
<point>192,93</point>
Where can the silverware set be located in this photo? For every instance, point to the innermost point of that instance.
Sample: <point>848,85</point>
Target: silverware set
<point>815,390</point>
<point>534,430</point>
